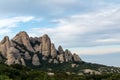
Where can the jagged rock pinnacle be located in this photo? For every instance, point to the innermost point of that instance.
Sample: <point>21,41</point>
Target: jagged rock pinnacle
<point>22,49</point>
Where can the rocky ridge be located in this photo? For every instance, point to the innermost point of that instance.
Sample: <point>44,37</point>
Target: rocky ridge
<point>22,49</point>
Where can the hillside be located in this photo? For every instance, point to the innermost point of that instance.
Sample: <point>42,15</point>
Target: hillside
<point>40,54</point>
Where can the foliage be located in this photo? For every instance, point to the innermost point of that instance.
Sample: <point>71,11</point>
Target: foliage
<point>18,72</point>
<point>4,77</point>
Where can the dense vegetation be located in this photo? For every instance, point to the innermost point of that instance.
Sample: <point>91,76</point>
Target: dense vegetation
<point>18,72</point>
<point>59,72</point>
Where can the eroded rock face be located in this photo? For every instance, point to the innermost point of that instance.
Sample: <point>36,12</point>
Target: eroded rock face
<point>10,59</point>
<point>35,42</point>
<point>60,50</point>
<point>68,55</point>
<point>53,51</point>
<point>17,61</point>
<point>27,56</point>
<point>22,49</point>
<point>76,58</point>
<point>50,60</point>
<point>23,38</point>
<point>12,55</point>
<point>5,45</point>
<point>14,51</point>
<point>22,62</point>
<point>46,45</point>
<point>61,58</point>
<point>55,61</point>
<point>35,60</point>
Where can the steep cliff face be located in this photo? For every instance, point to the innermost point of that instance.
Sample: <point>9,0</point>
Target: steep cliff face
<point>23,48</point>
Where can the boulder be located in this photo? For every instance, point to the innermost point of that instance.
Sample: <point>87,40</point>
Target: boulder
<point>50,60</point>
<point>76,58</point>
<point>22,62</point>
<point>27,56</point>
<point>44,58</point>
<point>17,61</point>
<point>68,55</point>
<point>55,61</point>
<point>61,58</point>
<point>35,60</point>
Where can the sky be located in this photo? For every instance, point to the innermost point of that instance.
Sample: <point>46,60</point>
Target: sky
<point>89,28</point>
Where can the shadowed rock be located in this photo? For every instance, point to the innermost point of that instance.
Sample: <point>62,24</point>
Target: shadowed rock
<point>60,50</point>
<point>53,51</point>
<point>35,60</point>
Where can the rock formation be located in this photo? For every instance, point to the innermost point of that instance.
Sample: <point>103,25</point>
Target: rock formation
<point>46,45</point>
<point>76,58</point>
<point>23,48</point>
<point>23,39</point>
<point>27,56</point>
<point>35,60</point>
<point>60,50</point>
<point>53,51</point>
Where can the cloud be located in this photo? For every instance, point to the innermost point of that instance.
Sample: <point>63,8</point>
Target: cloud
<point>51,8</point>
<point>91,29</point>
<point>82,23</point>
<point>99,50</point>
<point>108,40</point>
<point>11,22</point>
<point>7,24</point>
<point>37,7</point>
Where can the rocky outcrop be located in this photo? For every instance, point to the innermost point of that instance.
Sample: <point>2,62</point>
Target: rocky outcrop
<point>60,50</point>
<point>35,42</point>
<point>53,51</point>
<point>61,58</point>
<point>50,60</point>
<point>5,45</point>
<point>46,45</point>
<point>13,56</point>
<point>22,62</point>
<point>27,56</point>
<point>55,61</point>
<point>76,58</point>
<point>10,59</point>
<point>68,56</point>
<point>23,39</point>
<point>26,50</point>
<point>35,60</point>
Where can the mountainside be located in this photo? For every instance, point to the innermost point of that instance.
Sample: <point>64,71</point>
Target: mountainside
<point>22,49</point>
<point>40,53</point>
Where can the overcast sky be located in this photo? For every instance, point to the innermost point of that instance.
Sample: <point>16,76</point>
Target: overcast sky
<point>90,28</point>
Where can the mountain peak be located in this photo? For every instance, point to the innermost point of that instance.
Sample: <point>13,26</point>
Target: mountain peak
<point>6,38</point>
<point>45,35</point>
<point>22,49</point>
<point>22,32</point>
